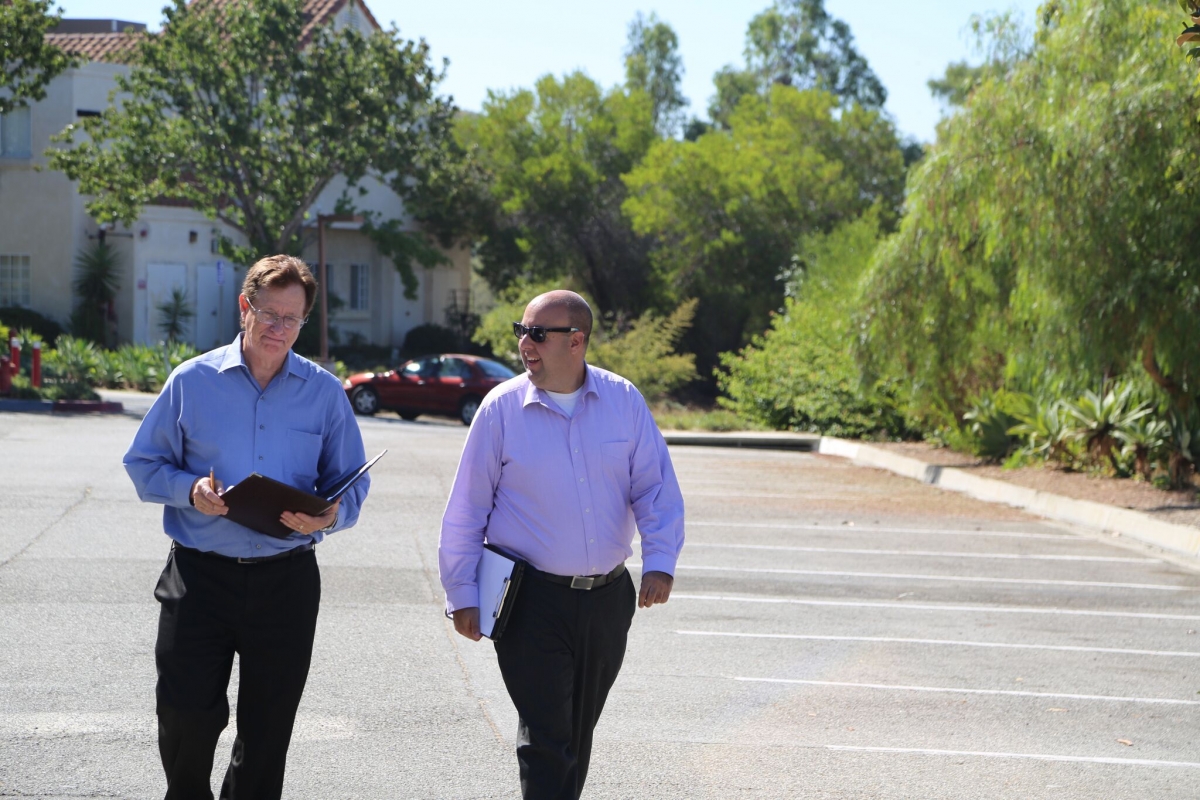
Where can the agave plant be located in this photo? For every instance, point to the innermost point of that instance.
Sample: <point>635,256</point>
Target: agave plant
<point>1097,418</point>
<point>989,421</point>
<point>1183,445</point>
<point>1044,428</point>
<point>1145,438</point>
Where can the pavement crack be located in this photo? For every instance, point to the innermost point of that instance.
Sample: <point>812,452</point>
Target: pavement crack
<point>87,491</point>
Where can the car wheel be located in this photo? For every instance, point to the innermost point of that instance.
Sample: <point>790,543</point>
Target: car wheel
<point>467,409</point>
<point>408,415</point>
<point>365,400</point>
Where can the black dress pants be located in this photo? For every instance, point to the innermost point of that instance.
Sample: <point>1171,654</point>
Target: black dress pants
<point>211,609</point>
<point>559,656</point>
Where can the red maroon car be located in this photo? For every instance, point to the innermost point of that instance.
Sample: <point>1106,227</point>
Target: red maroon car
<point>450,384</point>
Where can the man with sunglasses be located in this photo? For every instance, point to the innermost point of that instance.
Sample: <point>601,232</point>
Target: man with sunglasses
<point>251,406</point>
<point>560,465</point>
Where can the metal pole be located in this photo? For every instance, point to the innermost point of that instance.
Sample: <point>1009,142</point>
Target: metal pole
<point>323,280</point>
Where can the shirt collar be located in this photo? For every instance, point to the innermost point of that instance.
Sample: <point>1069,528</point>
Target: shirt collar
<point>535,395</point>
<point>233,358</point>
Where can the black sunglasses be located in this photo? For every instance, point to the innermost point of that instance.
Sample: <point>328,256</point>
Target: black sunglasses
<point>537,332</point>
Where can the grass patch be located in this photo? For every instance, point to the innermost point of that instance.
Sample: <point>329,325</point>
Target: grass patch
<point>676,417</point>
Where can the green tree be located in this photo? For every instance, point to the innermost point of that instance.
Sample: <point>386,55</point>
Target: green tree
<point>653,65</point>
<point>28,61</point>
<point>797,43</point>
<point>553,159</point>
<point>1050,231</point>
<point>230,109</point>
<point>801,374</point>
<point>726,211</point>
<point>1003,42</point>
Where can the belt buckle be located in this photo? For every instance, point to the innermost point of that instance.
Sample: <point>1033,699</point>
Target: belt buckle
<point>245,560</point>
<point>583,582</point>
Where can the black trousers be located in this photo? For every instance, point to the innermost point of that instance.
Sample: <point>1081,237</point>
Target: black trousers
<point>211,609</point>
<point>559,657</point>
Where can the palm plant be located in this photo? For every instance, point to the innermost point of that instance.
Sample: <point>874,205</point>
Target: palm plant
<point>1097,418</point>
<point>97,279</point>
<point>175,314</point>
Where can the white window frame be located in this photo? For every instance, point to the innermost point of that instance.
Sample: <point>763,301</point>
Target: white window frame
<point>16,279</point>
<point>358,288</point>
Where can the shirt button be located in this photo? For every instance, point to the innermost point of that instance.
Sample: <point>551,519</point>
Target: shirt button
<point>591,541</point>
<point>581,480</point>
<point>260,458</point>
<point>587,511</point>
<point>258,547</point>
<point>262,427</point>
<point>576,449</point>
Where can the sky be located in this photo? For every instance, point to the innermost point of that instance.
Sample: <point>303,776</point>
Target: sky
<point>504,45</point>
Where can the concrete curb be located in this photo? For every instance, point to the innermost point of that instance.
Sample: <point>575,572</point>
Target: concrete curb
<point>1181,539</point>
<point>27,406</point>
<point>61,406</point>
<point>773,440</point>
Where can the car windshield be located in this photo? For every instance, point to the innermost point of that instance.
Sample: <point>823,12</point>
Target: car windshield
<point>494,369</point>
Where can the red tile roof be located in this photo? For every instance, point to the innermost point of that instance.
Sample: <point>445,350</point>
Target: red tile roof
<point>119,48</point>
<point>113,48</point>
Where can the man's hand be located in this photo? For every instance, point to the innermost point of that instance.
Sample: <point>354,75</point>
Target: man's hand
<point>656,588</point>
<point>206,497</point>
<point>466,622</point>
<point>303,523</point>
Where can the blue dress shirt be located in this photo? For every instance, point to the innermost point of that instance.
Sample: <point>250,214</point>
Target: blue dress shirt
<point>212,414</point>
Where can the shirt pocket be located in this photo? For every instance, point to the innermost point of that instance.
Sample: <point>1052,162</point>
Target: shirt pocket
<point>303,459</point>
<point>615,456</point>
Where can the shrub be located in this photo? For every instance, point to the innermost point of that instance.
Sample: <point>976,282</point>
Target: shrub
<point>71,366</point>
<point>645,353</point>
<point>989,422</point>
<point>431,338</point>
<point>45,328</point>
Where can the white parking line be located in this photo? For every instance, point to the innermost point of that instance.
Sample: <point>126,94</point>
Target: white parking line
<point>894,605</point>
<point>945,643</point>
<point>934,553</point>
<point>874,529</point>
<point>996,692</point>
<point>1163,587</point>
<point>1131,762</point>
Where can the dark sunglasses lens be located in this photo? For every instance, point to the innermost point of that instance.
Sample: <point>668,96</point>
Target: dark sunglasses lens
<point>536,332</point>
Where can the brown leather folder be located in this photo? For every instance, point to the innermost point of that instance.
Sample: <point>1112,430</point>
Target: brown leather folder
<point>259,501</point>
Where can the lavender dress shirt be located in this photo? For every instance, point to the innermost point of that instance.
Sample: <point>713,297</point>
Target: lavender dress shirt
<point>564,493</point>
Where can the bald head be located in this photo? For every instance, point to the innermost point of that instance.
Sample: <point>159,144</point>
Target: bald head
<point>579,313</point>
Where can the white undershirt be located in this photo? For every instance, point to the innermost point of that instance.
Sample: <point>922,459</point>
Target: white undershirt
<point>567,401</point>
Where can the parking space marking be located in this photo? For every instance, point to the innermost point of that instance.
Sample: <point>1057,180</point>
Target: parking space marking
<point>876,529</point>
<point>1162,587</point>
<point>944,643</point>
<point>1125,762</point>
<point>1165,701</point>
<point>980,609</point>
<point>934,553</point>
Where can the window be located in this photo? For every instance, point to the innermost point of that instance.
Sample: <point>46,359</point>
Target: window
<point>360,287</point>
<point>494,369</point>
<point>14,281</point>
<point>14,133</point>
<point>455,368</point>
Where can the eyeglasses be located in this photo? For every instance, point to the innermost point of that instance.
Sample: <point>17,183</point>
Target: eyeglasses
<point>537,332</point>
<point>271,320</point>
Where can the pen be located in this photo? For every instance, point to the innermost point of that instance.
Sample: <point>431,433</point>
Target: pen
<point>212,479</point>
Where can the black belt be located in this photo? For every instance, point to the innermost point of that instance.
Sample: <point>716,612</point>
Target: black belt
<point>583,582</point>
<point>295,551</point>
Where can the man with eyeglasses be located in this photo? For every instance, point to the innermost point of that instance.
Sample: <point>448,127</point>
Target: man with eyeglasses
<point>251,406</point>
<point>560,465</point>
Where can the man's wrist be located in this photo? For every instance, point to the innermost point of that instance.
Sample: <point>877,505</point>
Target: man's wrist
<point>331,525</point>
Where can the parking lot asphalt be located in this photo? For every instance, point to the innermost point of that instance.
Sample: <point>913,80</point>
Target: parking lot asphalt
<point>834,632</point>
